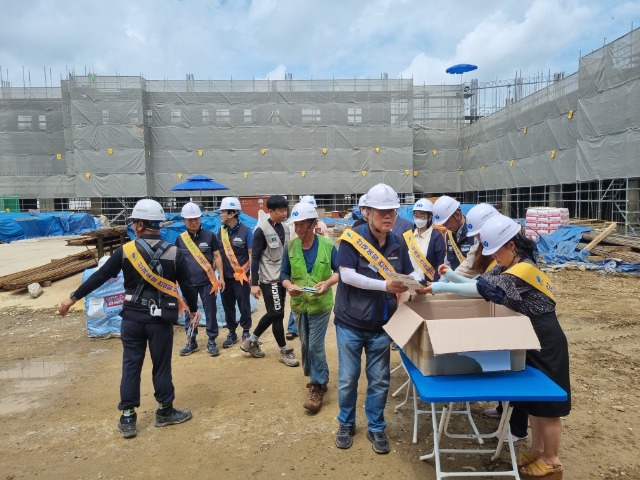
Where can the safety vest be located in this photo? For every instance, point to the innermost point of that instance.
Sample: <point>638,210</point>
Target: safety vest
<point>321,271</point>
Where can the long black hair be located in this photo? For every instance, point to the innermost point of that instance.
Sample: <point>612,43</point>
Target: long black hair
<point>525,247</point>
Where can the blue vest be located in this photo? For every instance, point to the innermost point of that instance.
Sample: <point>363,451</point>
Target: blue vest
<point>464,244</point>
<point>238,239</point>
<point>369,309</point>
<point>204,240</point>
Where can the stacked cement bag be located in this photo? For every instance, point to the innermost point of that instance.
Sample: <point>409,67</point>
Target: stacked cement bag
<point>545,220</point>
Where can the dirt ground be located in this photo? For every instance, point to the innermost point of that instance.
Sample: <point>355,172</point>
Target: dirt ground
<point>59,392</point>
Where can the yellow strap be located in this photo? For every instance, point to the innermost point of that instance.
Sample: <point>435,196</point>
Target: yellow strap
<point>160,283</point>
<point>491,265</point>
<point>240,271</point>
<point>454,245</point>
<point>376,259</point>
<point>201,259</point>
<point>533,276</point>
<point>415,252</point>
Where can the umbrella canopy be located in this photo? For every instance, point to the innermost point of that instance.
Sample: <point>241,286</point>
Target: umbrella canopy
<point>461,68</point>
<point>199,183</point>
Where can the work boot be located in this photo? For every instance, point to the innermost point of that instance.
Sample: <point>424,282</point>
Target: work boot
<point>212,348</point>
<point>231,340</point>
<point>314,400</point>
<point>288,358</point>
<point>127,426</point>
<point>251,347</point>
<point>171,416</point>
<point>188,349</point>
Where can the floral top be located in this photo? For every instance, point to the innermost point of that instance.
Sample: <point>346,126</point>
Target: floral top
<point>513,292</point>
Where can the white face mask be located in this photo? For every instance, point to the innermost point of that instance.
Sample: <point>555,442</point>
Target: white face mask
<point>420,223</point>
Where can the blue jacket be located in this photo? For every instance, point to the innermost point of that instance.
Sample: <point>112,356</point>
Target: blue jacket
<point>464,244</point>
<point>369,309</point>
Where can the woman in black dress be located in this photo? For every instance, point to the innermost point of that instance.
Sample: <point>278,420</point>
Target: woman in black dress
<point>517,283</point>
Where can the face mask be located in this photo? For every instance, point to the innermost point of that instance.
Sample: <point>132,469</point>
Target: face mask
<point>420,223</point>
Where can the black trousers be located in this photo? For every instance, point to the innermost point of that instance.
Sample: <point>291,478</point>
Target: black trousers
<point>236,292</point>
<point>274,295</point>
<point>135,334</point>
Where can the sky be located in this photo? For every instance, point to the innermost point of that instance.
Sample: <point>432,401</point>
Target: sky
<point>310,39</point>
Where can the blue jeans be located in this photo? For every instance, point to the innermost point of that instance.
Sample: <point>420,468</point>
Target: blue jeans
<point>292,326</point>
<point>313,329</point>
<point>377,353</point>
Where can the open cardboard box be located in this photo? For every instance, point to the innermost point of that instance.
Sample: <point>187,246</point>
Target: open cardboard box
<point>451,335</point>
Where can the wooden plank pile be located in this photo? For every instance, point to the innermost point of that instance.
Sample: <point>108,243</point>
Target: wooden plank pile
<point>55,270</point>
<point>605,244</point>
<point>105,238</point>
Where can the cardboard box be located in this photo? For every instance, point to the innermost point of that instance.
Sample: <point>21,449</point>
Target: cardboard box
<point>452,335</point>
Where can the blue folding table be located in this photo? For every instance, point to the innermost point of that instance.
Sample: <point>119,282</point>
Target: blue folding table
<point>529,384</point>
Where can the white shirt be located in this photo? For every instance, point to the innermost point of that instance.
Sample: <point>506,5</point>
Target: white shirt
<point>422,241</point>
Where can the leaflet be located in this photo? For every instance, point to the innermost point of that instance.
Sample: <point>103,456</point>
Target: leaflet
<point>407,280</point>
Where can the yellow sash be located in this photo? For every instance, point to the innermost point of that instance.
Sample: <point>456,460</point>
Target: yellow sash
<point>160,283</point>
<point>491,265</point>
<point>376,259</point>
<point>415,252</point>
<point>454,245</point>
<point>201,259</point>
<point>240,271</point>
<point>533,276</point>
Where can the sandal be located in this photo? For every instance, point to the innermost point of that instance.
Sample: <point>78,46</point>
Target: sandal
<point>290,336</point>
<point>526,458</point>
<point>540,470</point>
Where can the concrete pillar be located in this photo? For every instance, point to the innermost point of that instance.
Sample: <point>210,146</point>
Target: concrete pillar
<point>633,204</point>
<point>46,205</point>
<point>96,206</point>
<point>553,193</point>
<point>506,203</point>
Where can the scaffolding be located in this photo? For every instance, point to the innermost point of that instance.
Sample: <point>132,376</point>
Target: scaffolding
<point>99,143</point>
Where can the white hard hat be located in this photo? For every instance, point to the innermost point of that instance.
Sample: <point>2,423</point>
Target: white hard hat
<point>147,209</point>
<point>308,199</point>
<point>423,205</point>
<point>496,232</point>
<point>477,216</point>
<point>444,207</point>
<point>191,210</point>
<point>382,196</point>
<point>230,203</point>
<point>303,211</point>
<point>363,201</point>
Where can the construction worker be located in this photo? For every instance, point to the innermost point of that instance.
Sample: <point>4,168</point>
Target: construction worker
<point>269,239</point>
<point>475,263</point>
<point>426,246</point>
<point>321,228</point>
<point>309,261</point>
<point>364,211</point>
<point>366,298</point>
<point>517,282</point>
<point>148,312</point>
<point>447,212</point>
<point>201,249</point>
<point>237,241</point>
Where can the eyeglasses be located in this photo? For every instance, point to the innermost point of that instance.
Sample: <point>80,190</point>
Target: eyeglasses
<point>391,212</point>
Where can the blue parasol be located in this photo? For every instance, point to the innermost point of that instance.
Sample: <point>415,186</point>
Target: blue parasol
<point>198,183</point>
<point>461,68</point>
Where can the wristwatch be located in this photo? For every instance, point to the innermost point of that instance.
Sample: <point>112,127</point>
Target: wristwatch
<point>73,297</point>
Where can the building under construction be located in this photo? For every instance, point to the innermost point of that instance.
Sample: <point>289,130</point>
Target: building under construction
<point>100,143</point>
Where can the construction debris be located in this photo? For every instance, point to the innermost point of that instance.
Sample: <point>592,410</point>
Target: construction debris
<point>55,270</point>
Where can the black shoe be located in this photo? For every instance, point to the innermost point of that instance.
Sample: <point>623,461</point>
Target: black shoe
<point>171,416</point>
<point>127,426</point>
<point>344,438</point>
<point>189,349</point>
<point>379,441</point>
<point>212,348</point>
<point>230,341</point>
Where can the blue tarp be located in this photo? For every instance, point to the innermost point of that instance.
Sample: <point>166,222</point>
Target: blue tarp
<point>19,226</point>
